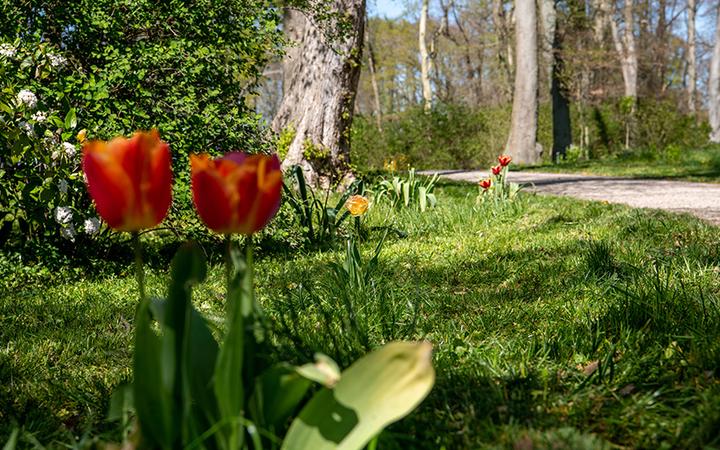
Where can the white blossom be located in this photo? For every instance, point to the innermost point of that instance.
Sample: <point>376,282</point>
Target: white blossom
<point>92,225</point>
<point>63,186</point>
<point>27,127</point>
<point>39,117</point>
<point>68,232</point>
<point>55,155</point>
<point>7,50</point>
<point>70,149</point>
<point>63,215</point>
<point>56,60</point>
<point>28,98</point>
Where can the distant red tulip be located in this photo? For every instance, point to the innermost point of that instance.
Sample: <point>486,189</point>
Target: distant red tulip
<point>130,180</point>
<point>237,193</point>
<point>485,184</point>
<point>497,169</point>
<point>504,160</point>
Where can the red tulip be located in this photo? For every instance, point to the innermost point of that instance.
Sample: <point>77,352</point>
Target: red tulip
<point>485,184</point>
<point>504,160</point>
<point>237,193</point>
<point>497,169</point>
<point>130,180</point>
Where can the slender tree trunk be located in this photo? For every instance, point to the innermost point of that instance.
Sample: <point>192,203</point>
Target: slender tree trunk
<point>691,56</point>
<point>548,18</point>
<point>522,145</point>
<point>424,57</point>
<point>320,83</point>
<point>625,47</point>
<point>504,48</point>
<point>562,130</point>
<point>373,81</point>
<point>714,86</point>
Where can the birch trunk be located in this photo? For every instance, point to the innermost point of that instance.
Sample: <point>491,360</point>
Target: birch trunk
<point>548,17</point>
<point>625,47</point>
<point>522,145</point>
<point>504,48</point>
<point>691,56</point>
<point>714,86</point>
<point>376,90</point>
<point>320,83</point>
<point>424,57</point>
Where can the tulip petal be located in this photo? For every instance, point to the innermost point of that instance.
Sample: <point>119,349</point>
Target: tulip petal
<point>107,183</point>
<point>210,197</point>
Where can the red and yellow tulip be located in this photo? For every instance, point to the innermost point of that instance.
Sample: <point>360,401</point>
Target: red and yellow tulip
<point>485,184</point>
<point>504,160</point>
<point>130,180</point>
<point>497,169</point>
<point>237,193</point>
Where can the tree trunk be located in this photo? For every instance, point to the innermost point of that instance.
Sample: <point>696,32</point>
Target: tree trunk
<point>625,47</point>
<point>424,57</point>
<point>548,18</point>
<point>320,82</point>
<point>714,86</point>
<point>373,81</point>
<point>691,56</point>
<point>562,130</point>
<point>523,128</point>
<point>504,48</point>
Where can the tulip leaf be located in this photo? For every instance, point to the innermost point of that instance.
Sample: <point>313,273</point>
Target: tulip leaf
<point>12,440</point>
<point>278,391</point>
<point>153,385</point>
<point>229,389</point>
<point>378,389</point>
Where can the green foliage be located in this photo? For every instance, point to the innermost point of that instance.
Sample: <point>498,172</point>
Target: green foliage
<point>285,139</point>
<point>412,191</point>
<point>319,221</point>
<point>544,292</point>
<point>190,391</point>
<point>360,311</point>
<point>112,68</point>
<point>655,126</point>
<point>450,136</point>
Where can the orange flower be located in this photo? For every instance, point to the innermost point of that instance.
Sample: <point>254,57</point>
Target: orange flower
<point>357,205</point>
<point>497,169</point>
<point>504,160</point>
<point>130,180</point>
<point>237,193</point>
<point>485,184</point>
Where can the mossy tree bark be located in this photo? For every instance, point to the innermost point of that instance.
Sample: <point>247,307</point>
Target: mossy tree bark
<point>320,77</point>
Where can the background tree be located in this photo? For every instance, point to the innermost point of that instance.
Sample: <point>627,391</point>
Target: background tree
<point>523,127</point>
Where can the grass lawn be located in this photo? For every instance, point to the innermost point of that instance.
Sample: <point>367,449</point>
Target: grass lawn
<point>556,323</point>
<point>690,165</point>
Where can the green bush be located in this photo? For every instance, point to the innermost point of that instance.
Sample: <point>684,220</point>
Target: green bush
<point>449,136</point>
<point>458,137</point>
<point>112,67</point>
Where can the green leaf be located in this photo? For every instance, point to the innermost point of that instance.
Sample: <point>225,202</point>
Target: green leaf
<point>12,440</point>
<point>153,385</point>
<point>378,389</point>
<point>71,119</point>
<point>278,391</point>
<point>324,370</point>
<point>422,191</point>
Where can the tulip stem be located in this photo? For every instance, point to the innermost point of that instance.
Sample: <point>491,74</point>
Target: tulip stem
<point>139,272</point>
<point>228,263</point>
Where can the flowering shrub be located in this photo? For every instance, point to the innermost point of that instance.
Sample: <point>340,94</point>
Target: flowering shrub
<point>41,192</point>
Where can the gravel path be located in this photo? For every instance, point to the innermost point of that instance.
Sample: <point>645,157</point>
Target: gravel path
<point>699,199</point>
